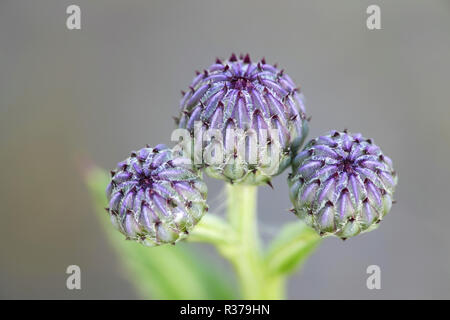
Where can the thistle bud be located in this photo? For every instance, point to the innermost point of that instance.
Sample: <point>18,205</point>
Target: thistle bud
<point>259,104</point>
<point>156,197</point>
<point>342,184</point>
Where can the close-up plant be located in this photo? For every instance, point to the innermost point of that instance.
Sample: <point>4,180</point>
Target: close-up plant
<point>247,154</point>
<point>341,184</point>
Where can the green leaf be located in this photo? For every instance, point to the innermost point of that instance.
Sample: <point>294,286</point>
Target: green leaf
<point>290,248</point>
<point>214,230</point>
<point>166,272</point>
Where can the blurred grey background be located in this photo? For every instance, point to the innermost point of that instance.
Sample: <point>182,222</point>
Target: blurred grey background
<point>111,87</point>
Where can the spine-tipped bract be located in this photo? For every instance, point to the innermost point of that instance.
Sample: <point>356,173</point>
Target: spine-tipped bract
<point>156,197</point>
<point>342,184</point>
<point>255,97</point>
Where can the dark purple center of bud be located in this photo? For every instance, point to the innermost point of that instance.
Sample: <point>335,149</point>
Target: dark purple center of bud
<point>145,182</point>
<point>347,165</point>
<point>240,83</point>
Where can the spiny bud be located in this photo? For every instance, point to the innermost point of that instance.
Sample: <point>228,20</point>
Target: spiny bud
<point>156,197</point>
<point>342,184</point>
<point>254,97</point>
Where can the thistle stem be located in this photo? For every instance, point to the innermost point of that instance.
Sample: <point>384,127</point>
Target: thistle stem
<point>261,273</point>
<point>246,254</point>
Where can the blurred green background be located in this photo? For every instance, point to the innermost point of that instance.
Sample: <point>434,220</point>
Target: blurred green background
<point>97,93</point>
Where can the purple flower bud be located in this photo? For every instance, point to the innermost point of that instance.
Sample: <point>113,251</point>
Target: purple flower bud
<point>253,97</point>
<point>342,184</point>
<point>155,197</point>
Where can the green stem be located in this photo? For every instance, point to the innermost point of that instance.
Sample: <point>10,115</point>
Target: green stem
<point>246,255</point>
<point>261,273</point>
